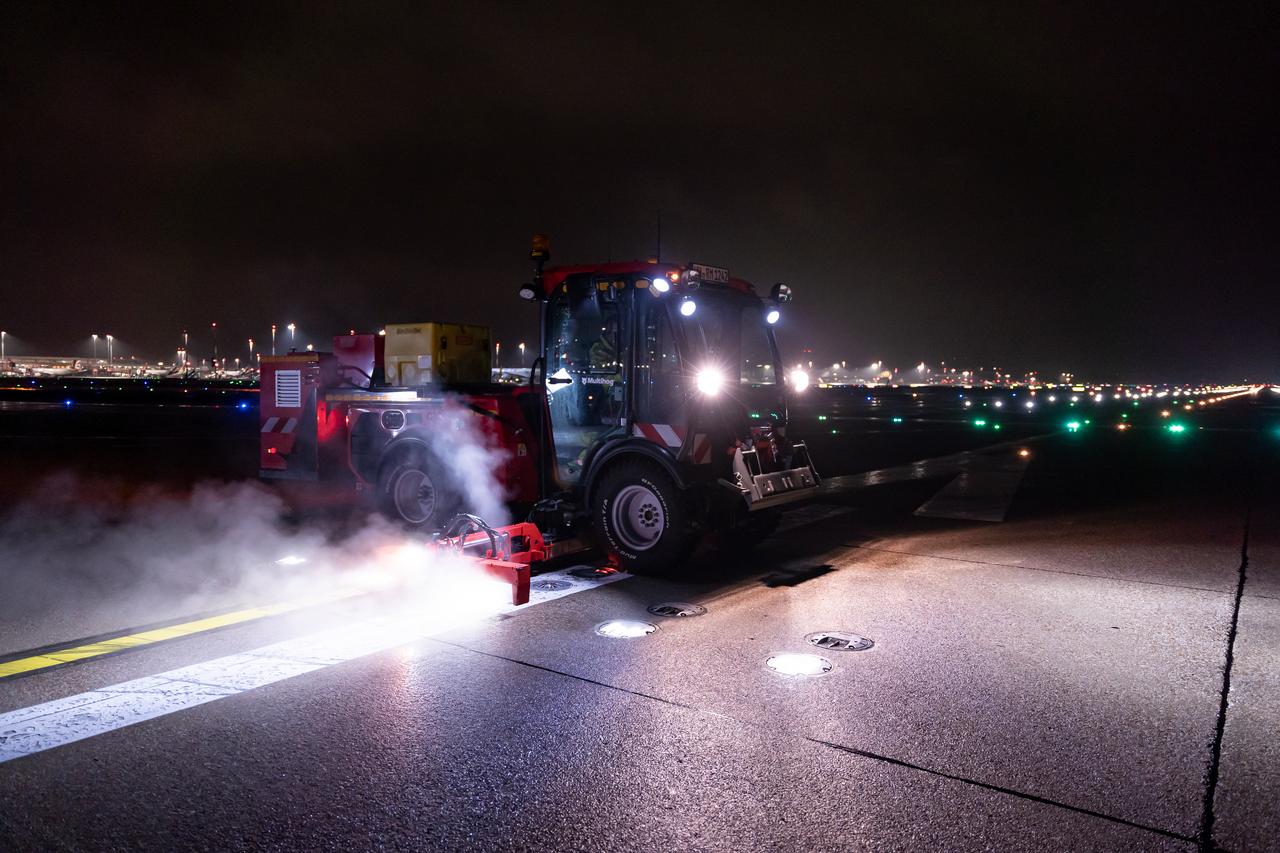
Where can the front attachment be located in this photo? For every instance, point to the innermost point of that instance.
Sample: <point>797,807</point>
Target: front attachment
<point>510,550</point>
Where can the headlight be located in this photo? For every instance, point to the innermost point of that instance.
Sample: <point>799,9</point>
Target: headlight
<point>709,381</point>
<point>799,380</point>
<point>772,316</point>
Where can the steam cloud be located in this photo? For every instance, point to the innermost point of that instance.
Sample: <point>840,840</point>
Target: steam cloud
<point>81,556</point>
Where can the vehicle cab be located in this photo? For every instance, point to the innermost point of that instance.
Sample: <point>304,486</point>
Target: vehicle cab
<point>666,399</point>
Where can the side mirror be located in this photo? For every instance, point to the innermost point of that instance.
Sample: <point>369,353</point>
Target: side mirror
<point>780,293</point>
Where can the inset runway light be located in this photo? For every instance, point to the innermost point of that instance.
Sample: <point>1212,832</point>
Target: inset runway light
<point>1030,404</point>
<point>794,664</point>
<point>625,629</point>
<point>999,404</point>
<point>1053,398</point>
<point>291,560</point>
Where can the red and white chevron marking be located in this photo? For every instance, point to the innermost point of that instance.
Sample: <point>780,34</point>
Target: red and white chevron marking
<point>672,436</point>
<point>279,425</point>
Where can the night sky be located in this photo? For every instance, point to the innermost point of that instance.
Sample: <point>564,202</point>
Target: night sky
<point>1031,185</point>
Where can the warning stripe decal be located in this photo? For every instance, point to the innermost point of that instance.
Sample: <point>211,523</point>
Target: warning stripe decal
<point>672,436</point>
<point>274,424</point>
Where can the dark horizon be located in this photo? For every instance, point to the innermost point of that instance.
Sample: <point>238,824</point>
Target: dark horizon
<point>1038,188</point>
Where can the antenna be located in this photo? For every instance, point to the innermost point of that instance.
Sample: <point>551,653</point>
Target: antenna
<point>659,252</point>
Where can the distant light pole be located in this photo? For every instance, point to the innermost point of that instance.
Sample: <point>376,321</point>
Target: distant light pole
<point>95,347</point>
<point>186,350</point>
<point>293,334</point>
<point>497,353</point>
<point>251,349</point>
<point>214,326</point>
<point>110,341</point>
<point>3,335</point>
<point>273,338</point>
<point>522,353</point>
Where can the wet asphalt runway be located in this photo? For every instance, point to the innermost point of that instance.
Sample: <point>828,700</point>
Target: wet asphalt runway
<point>1058,680</point>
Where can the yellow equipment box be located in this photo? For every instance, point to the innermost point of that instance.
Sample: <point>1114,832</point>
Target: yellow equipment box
<point>426,353</point>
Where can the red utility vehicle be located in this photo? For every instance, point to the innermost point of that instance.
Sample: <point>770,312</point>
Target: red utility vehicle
<point>654,413</point>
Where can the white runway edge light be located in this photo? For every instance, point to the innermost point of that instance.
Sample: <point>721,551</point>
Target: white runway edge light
<point>796,664</point>
<point>709,381</point>
<point>625,629</point>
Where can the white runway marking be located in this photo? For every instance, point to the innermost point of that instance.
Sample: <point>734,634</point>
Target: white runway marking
<point>51,724</point>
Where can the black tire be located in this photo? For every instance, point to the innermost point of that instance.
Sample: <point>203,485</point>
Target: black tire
<point>415,473</point>
<point>642,517</point>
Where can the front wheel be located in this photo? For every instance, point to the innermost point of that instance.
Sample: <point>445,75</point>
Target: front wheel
<point>643,517</point>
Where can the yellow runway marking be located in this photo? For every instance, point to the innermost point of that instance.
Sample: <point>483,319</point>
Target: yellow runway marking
<point>57,657</point>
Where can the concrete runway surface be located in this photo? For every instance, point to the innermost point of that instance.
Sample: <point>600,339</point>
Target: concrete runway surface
<point>1099,671</point>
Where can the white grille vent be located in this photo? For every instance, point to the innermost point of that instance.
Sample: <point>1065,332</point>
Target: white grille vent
<point>289,389</point>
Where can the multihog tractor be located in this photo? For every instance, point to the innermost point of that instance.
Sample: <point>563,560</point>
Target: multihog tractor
<point>654,413</point>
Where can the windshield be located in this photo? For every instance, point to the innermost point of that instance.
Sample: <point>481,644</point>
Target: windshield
<point>729,329</point>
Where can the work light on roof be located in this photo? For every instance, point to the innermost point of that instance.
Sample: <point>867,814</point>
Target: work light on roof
<point>661,284</point>
<point>528,292</point>
<point>687,307</point>
<point>772,316</point>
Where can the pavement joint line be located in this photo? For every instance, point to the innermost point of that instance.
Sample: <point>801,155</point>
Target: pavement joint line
<point>861,753</point>
<point>1013,792</point>
<point>74,652</point>
<point>1033,568</point>
<point>1224,701</point>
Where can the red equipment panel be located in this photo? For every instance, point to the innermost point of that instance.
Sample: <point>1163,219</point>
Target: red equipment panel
<point>288,416</point>
<point>359,359</point>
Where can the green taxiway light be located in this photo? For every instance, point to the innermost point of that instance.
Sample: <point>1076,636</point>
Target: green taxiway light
<point>1176,428</point>
<point>979,422</point>
<point>822,417</point>
<point>897,420</point>
<point>995,426</point>
<point>1073,426</point>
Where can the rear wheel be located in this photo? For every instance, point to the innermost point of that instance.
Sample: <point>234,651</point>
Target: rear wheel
<point>413,490</point>
<point>643,517</point>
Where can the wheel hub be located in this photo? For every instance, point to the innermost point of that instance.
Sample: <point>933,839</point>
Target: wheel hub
<point>637,516</point>
<point>415,496</point>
